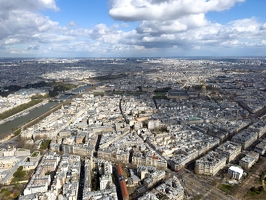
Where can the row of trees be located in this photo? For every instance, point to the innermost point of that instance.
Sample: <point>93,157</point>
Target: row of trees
<point>19,108</point>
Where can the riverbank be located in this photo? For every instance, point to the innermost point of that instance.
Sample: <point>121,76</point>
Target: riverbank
<point>37,112</point>
<point>6,138</point>
<point>23,112</point>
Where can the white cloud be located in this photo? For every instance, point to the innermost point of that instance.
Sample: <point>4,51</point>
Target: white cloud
<point>182,24</point>
<point>72,23</point>
<point>20,21</point>
<point>29,5</point>
<point>171,25</point>
<point>33,47</point>
<point>48,4</point>
<point>78,46</point>
<point>137,10</point>
<point>151,34</point>
<point>11,41</point>
<point>263,42</point>
<point>245,25</point>
<point>230,43</point>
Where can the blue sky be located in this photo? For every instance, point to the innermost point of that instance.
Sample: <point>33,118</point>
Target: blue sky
<point>130,28</point>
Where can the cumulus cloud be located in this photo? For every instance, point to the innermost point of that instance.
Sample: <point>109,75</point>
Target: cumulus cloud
<point>179,25</point>
<point>138,10</point>
<point>149,35</point>
<point>76,46</point>
<point>172,26</point>
<point>11,41</point>
<point>182,24</point>
<point>7,5</point>
<point>22,25</point>
<point>72,23</point>
<point>33,47</point>
<point>20,21</point>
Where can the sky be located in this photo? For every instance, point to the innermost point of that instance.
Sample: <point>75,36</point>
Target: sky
<point>132,28</point>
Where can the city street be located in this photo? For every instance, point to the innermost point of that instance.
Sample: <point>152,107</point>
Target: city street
<point>201,188</point>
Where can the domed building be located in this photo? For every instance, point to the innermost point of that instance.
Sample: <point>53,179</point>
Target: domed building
<point>203,90</point>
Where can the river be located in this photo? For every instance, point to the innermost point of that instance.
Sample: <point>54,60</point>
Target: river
<point>36,112</point>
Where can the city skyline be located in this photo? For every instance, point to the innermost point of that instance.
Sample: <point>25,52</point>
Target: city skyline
<point>132,28</point>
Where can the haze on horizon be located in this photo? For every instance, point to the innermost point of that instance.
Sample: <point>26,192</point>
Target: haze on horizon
<point>132,28</point>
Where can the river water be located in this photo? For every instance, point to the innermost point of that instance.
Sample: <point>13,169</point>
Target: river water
<point>36,112</point>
